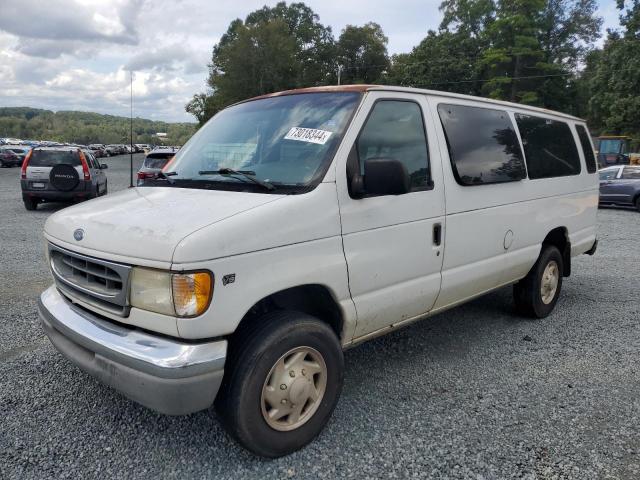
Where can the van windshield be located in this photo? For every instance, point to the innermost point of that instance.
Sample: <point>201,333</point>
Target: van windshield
<point>287,141</point>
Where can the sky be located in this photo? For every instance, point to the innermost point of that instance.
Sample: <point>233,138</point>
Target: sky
<point>77,54</point>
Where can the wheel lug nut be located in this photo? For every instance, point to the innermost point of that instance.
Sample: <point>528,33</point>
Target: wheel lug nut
<point>292,373</point>
<point>283,387</point>
<point>283,401</point>
<point>304,372</point>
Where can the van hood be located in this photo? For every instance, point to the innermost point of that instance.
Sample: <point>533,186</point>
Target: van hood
<point>148,223</point>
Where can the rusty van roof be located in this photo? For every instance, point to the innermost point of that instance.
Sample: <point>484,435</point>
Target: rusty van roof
<point>389,88</point>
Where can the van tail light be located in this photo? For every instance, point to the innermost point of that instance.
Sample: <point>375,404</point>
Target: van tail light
<point>143,175</point>
<point>85,166</point>
<point>23,172</point>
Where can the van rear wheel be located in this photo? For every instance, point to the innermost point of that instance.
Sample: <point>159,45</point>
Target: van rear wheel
<point>282,381</point>
<point>537,294</point>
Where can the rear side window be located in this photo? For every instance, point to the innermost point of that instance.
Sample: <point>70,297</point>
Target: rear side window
<point>587,149</point>
<point>51,158</point>
<point>631,173</point>
<point>395,130</point>
<point>549,147</point>
<point>483,146</point>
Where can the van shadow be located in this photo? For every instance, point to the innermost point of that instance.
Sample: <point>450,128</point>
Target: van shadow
<point>52,207</point>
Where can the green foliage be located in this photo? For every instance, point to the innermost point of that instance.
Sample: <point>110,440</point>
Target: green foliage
<point>442,61</point>
<point>525,51</point>
<point>274,49</point>
<point>611,79</point>
<point>285,47</point>
<point>362,52</point>
<point>538,52</point>
<point>86,127</point>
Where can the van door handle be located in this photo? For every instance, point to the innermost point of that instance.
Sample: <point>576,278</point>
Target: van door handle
<point>437,234</point>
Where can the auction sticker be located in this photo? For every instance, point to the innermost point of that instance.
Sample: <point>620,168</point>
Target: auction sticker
<point>310,135</point>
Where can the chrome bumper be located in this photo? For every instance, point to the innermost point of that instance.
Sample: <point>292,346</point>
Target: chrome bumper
<point>164,374</point>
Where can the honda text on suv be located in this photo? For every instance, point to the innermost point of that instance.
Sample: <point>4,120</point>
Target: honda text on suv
<point>61,174</point>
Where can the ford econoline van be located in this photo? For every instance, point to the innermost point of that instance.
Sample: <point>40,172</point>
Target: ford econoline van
<point>295,225</point>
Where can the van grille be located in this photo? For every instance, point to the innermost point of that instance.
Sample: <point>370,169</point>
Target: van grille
<point>97,282</point>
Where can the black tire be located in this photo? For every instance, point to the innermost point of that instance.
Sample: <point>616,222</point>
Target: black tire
<point>2,165</point>
<point>106,188</point>
<point>64,177</point>
<point>637,203</point>
<point>526,293</point>
<point>253,351</point>
<point>30,203</point>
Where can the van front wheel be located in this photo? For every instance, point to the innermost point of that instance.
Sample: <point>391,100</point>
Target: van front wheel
<point>282,381</point>
<point>536,294</point>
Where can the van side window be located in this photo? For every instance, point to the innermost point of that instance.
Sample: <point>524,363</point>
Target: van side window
<point>549,147</point>
<point>587,149</point>
<point>483,146</point>
<point>395,130</point>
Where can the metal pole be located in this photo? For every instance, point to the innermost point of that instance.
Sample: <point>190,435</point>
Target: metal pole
<point>339,71</point>
<point>131,136</point>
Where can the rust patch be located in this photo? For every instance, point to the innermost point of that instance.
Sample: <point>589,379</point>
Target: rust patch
<point>325,89</point>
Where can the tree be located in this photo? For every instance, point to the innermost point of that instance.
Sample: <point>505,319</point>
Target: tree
<point>520,50</point>
<point>612,77</point>
<point>442,61</point>
<point>362,53</point>
<point>274,48</point>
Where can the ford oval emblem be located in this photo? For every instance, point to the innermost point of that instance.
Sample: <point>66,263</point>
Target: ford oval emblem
<point>78,234</point>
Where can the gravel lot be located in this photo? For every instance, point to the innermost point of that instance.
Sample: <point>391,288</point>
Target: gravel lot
<point>472,393</point>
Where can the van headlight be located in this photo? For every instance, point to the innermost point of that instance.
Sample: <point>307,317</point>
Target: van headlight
<point>179,294</point>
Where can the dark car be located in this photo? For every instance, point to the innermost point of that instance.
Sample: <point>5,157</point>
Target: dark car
<point>61,174</point>
<point>620,185</point>
<point>13,155</point>
<point>154,163</point>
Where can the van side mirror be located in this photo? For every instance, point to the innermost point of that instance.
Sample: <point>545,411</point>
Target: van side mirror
<point>385,176</point>
<point>103,166</point>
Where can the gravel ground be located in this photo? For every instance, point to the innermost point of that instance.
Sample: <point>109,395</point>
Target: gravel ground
<point>472,393</point>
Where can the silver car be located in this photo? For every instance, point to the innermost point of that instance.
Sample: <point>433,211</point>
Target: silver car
<point>154,162</point>
<point>61,174</point>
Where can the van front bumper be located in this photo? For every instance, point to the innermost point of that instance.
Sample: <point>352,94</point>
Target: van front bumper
<point>163,374</point>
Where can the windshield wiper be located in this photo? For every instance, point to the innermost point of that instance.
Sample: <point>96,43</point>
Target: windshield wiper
<point>248,174</point>
<point>167,176</point>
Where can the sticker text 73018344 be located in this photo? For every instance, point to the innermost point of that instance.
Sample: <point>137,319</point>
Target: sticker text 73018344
<point>310,135</point>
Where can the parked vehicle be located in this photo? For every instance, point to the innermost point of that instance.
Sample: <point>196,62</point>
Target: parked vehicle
<point>620,185</point>
<point>112,150</point>
<point>98,150</point>
<point>615,150</point>
<point>297,224</point>
<point>13,155</point>
<point>10,141</point>
<point>61,174</point>
<point>143,147</point>
<point>153,164</point>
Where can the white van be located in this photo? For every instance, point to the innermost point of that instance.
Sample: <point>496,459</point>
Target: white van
<point>295,225</point>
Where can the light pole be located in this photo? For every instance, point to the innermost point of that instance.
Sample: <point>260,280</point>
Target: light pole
<point>131,136</point>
